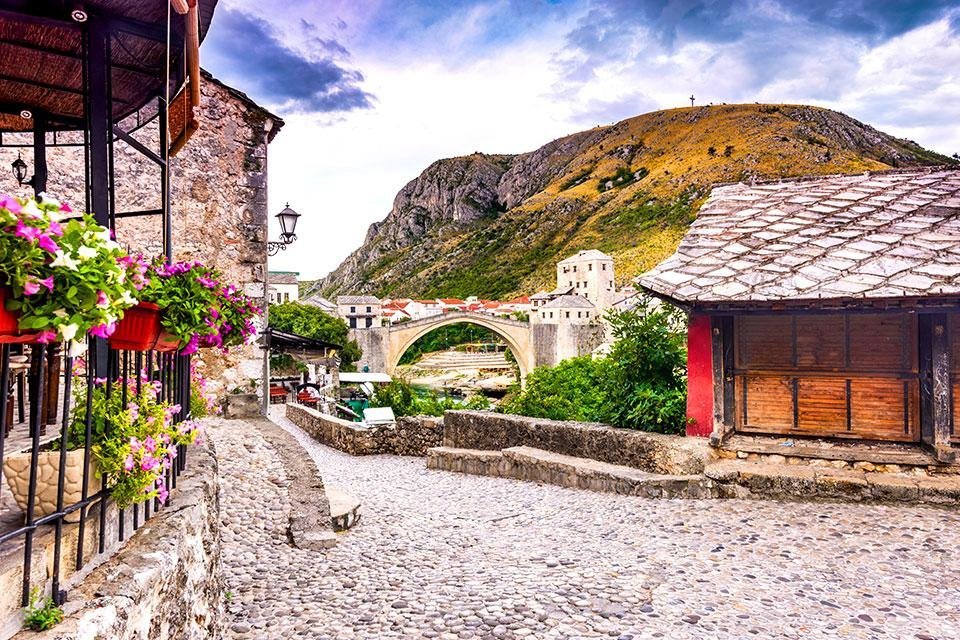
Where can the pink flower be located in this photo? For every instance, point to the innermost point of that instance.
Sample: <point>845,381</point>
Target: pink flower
<point>129,464</point>
<point>10,203</point>
<point>30,287</point>
<point>102,299</point>
<point>47,243</point>
<point>26,231</point>
<point>162,493</point>
<point>47,282</point>
<point>46,336</point>
<point>150,444</point>
<point>65,208</point>
<point>54,228</point>
<point>134,444</point>
<point>103,330</point>
<point>148,463</point>
<point>191,346</point>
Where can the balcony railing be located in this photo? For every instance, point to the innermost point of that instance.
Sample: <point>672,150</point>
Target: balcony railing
<point>44,423</point>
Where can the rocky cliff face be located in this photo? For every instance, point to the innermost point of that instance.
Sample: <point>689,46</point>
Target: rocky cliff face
<point>493,225</point>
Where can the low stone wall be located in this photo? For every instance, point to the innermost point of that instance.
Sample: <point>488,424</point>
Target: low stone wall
<point>166,582</point>
<point>651,452</point>
<point>411,437</point>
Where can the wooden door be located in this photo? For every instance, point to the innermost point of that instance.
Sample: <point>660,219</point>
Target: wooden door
<point>828,375</point>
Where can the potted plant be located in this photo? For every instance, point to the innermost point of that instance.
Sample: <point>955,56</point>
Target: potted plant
<point>196,309</point>
<point>132,444</point>
<point>59,278</point>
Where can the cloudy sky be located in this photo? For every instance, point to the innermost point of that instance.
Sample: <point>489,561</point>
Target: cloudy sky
<point>372,91</point>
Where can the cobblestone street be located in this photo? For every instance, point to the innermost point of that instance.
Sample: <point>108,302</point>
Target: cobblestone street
<point>443,555</point>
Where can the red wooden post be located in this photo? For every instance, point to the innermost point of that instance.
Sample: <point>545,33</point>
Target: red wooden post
<point>699,376</point>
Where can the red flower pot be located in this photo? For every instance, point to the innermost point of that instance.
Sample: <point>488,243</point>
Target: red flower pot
<point>138,329</point>
<point>167,342</point>
<point>9,323</point>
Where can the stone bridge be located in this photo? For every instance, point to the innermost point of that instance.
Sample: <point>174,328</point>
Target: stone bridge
<point>533,344</point>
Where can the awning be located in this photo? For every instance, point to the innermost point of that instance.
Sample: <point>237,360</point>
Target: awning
<point>284,342</point>
<point>363,376</point>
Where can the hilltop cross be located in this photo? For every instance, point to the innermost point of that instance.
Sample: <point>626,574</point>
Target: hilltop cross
<point>691,99</point>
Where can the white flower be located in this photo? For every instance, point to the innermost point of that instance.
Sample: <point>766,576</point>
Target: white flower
<point>77,348</point>
<point>85,252</point>
<point>48,199</point>
<point>68,331</point>
<point>103,235</point>
<point>63,260</point>
<point>60,313</point>
<point>128,300</point>
<point>31,209</point>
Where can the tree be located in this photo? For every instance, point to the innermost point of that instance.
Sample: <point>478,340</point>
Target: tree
<point>641,384</point>
<point>312,322</point>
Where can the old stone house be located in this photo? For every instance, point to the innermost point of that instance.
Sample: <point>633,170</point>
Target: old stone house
<point>218,187</point>
<point>826,308</point>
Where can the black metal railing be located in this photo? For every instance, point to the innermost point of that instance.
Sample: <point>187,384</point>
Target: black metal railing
<point>50,393</point>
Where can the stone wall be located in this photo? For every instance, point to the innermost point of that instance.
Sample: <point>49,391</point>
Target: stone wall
<point>218,188</point>
<point>412,436</point>
<point>166,582</point>
<point>652,452</point>
<point>374,344</point>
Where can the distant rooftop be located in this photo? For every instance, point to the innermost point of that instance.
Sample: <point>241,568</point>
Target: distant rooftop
<point>357,300</point>
<point>589,254</point>
<point>569,302</point>
<point>883,235</point>
<point>283,277</point>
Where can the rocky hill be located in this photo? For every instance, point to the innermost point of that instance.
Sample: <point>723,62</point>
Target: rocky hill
<point>494,225</point>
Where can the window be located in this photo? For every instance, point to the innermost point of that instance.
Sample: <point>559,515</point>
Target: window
<point>590,267</point>
<point>574,268</point>
<point>588,314</point>
<point>353,309</point>
<point>543,314</point>
<point>568,314</point>
<point>353,323</point>
<point>569,283</point>
<point>369,322</point>
<point>578,314</point>
<point>286,297</point>
<point>551,314</point>
<point>368,309</point>
<point>604,265</point>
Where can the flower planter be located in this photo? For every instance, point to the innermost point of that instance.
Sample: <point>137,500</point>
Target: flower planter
<point>9,322</point>
<point>167,342</point>
<point>139,328</point>
<point>16,469</point>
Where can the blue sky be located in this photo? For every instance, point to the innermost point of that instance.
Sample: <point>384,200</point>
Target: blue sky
<point>373,91</point>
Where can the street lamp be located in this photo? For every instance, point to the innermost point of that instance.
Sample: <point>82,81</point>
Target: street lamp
<point>288,226</point>
<point>19,170</point>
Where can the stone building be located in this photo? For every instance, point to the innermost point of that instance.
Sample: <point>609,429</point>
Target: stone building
<point>589,274</point>
<point>359,312</point>
<point>218,186</point>
<point>283,287</point>
<point>569,309</point>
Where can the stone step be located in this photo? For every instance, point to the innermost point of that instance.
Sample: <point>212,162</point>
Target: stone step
<point>344,508</point>
<point>748,479</point>
<point>537,465</point>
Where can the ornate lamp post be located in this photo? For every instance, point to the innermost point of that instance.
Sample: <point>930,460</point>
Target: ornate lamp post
<point>288,226</point>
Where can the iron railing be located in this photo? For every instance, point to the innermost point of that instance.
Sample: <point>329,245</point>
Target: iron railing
<point>49,388</point>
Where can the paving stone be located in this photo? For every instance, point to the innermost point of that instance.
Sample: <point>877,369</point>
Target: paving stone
<point>465,552</point>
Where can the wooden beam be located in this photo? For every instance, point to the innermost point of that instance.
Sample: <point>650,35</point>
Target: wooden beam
<point>941,387</point>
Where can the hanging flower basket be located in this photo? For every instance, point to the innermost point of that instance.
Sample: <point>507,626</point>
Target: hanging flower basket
<point>139,328</point>
<point>10,332</point>
<point>167,342</point>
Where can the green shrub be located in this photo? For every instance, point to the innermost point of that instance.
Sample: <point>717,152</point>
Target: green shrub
<point>640,384</point>
<point>42,613</point>
<point>404,399</point>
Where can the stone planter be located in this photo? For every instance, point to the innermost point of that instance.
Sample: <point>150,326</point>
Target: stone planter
<point>16,469</point>
<point>241,405</point>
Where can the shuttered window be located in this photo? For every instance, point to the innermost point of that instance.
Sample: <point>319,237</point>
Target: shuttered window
<point>835,375</point>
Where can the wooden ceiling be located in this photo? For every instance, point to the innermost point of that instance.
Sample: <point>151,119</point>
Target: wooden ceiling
<point>41,55</point>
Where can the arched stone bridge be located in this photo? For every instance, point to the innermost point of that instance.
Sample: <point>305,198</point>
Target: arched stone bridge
<point>533,344</point>
<point>516,334</point>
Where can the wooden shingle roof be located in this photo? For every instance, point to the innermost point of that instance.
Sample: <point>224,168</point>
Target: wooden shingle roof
<point>883,235</point>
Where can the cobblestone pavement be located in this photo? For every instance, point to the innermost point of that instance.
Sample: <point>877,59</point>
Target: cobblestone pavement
<point>443,555</point>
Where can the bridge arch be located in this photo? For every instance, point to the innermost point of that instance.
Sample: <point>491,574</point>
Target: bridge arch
<point>514,332</point>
